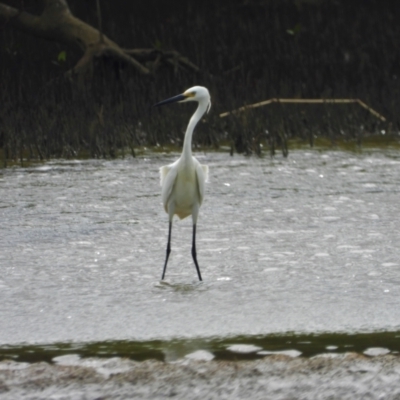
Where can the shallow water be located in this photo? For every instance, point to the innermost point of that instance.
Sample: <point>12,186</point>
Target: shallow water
<point>308,244</point>
<point>229,348</point>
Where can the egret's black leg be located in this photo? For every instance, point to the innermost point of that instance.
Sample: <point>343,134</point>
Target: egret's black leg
<point>194,254</point>
<point>168,249</point>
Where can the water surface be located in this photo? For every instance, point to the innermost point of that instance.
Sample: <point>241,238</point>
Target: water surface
<point>308,244</point>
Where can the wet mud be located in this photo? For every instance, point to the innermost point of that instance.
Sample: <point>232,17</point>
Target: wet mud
<point>327,376</point>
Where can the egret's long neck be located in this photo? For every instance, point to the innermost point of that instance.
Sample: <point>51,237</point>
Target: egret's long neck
<point>187,143</point>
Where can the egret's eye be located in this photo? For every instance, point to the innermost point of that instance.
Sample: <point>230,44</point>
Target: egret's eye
<point>191,94</point>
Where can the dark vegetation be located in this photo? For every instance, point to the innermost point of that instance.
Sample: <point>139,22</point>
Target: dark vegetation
<point>246,52</point>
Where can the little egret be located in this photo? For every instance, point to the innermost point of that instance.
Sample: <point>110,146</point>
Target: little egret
<point>183,181</point>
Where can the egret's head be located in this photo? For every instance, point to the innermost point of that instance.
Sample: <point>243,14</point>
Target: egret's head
<point>199,94</point>
<point>196,93</point>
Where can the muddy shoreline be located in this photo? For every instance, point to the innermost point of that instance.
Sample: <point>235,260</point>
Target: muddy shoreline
<point>327,376</point>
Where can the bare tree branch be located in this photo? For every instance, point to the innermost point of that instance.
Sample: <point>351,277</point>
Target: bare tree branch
<point>18,19</point>
<point>57,23</point>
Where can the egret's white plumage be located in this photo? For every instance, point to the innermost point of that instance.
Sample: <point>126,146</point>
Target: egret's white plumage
<point>183,181</point>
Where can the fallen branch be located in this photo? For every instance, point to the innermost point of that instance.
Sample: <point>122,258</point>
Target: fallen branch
<point>305,101</point>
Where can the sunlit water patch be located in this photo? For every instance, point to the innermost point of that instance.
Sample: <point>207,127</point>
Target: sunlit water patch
<point>306,244</point>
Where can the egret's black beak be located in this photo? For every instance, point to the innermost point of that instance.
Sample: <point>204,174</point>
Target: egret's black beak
<point>174,99</point>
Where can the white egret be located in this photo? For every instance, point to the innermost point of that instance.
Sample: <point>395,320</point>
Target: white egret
<point>183,181</point>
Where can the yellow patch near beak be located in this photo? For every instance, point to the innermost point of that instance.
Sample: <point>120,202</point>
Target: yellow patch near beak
<point>189,94</point>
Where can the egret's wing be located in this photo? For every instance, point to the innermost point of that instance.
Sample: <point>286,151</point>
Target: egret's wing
<point>202,177</point>
<point>164,172</point>
<point>205,170</point>
<point>168,175</point>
